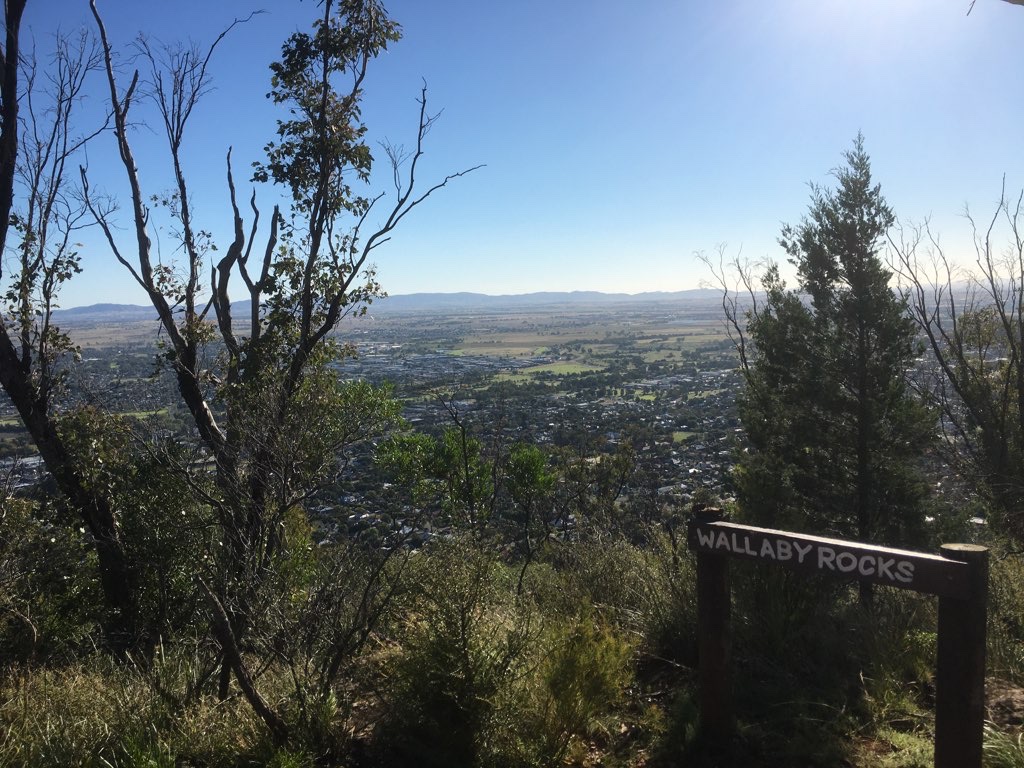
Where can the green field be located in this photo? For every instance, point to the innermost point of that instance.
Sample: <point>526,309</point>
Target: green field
<point>145,414</point>
<point>563,368</point>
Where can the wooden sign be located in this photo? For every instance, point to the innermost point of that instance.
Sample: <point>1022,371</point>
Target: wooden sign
<point>959,576</point>
<point>921,572</point>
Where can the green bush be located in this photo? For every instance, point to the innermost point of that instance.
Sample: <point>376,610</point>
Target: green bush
<point>669,589</point>
<point>466,641</point>
<point>608,574</point>
<point>50,601</point>
<point>1006,618</point>
<point>484,675</point>
<point>894,643</point>
<point>581,679</point>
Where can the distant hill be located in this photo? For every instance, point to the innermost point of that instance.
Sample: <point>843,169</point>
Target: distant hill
<point>103,313</point>
<point>436,301</point>
<point>425,302</point>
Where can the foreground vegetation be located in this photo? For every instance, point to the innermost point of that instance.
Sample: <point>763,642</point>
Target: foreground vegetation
<point>589,660</point>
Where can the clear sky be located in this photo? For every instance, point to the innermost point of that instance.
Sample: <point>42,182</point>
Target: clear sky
<point>619,138</point>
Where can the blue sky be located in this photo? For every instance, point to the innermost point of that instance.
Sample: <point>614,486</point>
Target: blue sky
<point>618,138</point>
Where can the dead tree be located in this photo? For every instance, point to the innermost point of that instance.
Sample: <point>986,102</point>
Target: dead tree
<point>973,321</point>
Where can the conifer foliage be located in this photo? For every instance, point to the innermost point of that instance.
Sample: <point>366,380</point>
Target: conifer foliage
<point>835,432</point>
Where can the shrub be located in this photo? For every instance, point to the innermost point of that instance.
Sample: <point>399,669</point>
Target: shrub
<point>669,589</point>
<point>486,675</point>
<point>466,642</point>
<point>49,587</point>
<point>608,573</point>
<point>1006,618</point>
<point>581,679</point>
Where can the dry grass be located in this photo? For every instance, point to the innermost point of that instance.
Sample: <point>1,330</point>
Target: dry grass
<point>97,713</point>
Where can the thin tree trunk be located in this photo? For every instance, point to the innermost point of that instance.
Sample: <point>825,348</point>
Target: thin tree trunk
<point>233,657</point>
<point>864,532</point>
<point>117,576</point>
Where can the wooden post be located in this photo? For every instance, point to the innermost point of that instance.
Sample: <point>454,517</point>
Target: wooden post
<point>960,666</point>
<point>714,645</point>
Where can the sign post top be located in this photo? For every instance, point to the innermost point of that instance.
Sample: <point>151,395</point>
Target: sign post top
<point>946,576</point>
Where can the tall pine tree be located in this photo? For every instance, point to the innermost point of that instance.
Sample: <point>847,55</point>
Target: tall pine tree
<point>835,433</point>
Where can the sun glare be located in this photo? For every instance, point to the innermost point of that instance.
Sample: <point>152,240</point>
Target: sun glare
<point>872,27</point>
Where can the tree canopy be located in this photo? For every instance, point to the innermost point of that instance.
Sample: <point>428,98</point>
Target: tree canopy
<point>835,433</point>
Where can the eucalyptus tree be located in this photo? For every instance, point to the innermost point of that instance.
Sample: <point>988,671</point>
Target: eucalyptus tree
<point>40,215</point>
<point>268,409</point>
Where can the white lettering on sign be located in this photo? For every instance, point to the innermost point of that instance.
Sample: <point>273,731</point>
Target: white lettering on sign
<point>846,562</point>
<point>705,538</point>
<point>801,552</point>
<point>826,558</point>
<point>878,566</point>
<point>885,565</point>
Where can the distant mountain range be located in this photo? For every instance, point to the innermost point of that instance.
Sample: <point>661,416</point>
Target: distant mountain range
<point>428,301</point>
<point>425,302</point>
